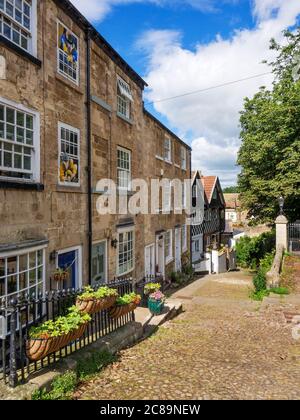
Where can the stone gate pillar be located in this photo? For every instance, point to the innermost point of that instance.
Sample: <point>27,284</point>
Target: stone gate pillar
<point>282,232</point>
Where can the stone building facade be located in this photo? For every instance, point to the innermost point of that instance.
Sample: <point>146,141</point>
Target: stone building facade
<point>71,114</point>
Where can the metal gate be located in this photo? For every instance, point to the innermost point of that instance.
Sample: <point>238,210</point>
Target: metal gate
<point>294,237</point>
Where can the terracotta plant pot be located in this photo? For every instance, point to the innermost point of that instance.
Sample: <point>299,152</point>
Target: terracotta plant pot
<point>92,306</point>
<point>39,348</point>
<point>119,311</point>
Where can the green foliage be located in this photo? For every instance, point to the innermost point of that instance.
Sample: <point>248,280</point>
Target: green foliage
<point>128,298</point>
<point>260,281</point>
<point>152,287</point>
<point>280,290</point>
<point>102,292</point>
<point>62,325</point>
<point>64,386</point>
<point>231,190</point>
<point>259,296</point>
<point>86,368</point>
<point>250,251</point>
<point>269,154</point>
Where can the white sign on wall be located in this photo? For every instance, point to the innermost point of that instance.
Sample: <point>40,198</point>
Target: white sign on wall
<point>3,328</point>
<point>2,68</point>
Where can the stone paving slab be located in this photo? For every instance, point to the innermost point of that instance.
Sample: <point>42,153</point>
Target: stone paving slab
<point>224,346</point>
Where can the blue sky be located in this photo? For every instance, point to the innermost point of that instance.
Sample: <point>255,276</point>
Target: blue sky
<point>179,46</point>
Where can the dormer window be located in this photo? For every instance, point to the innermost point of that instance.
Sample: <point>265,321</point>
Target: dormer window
<point>16,22</point>
<point>124,99</point>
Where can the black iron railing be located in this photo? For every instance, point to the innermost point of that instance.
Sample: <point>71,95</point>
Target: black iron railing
<point>17,317</point>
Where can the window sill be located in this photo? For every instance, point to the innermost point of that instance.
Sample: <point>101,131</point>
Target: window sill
<point>169,261</point>
<point>20,51</point>
<point>122,117</point>
<point>159,158</point>
<point>67,82</point>
<point>19,185</point>
<point>177,166</point>
<point>168,162</point>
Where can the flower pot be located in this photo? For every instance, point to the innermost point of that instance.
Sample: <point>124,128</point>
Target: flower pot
<point>156,307</point>
<point>122,310</point>
<point>39,348</point>
<point>92,306</point>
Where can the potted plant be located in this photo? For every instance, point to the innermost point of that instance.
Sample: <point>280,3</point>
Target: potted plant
<point>93,301</point>
<point>156,302</point>
<point>124,305</point>
<point>52,336</point>
<point>151,288</point>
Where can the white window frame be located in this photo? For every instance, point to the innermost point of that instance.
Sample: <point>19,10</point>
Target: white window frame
<point>184,196</point>
<point>169,251</point>
<point>29,33</point>
<point>78,251</point>
<point>106,259</point>
<point>35,157</point>
<point>61,126</point>
<point>131,269</point>
<point>120,169</point>
<point>183,158</point>
<point>25,251</point>
<point>168,150</point>
<point>124,98</point>
<point>184,238</point>
<point>59,71</point>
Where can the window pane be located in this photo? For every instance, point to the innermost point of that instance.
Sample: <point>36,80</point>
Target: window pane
<point>12,286</point>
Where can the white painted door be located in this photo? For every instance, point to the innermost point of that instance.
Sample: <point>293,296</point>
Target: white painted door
<point>197,248</point>
<point>160,255</point>
<point>178,250</point>
<point>150,260</point>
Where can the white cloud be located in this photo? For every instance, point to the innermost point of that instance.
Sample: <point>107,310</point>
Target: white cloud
<point>213,116</point>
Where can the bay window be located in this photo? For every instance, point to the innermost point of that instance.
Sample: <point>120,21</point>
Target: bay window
<point>22,273</point>
<point>19,148</point>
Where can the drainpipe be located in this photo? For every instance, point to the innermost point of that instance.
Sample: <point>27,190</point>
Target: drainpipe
<point>191,243</point>
<point>89,148</point>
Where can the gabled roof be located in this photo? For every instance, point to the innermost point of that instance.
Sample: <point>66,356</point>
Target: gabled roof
<point>232,201</point>
<point>209,184</point>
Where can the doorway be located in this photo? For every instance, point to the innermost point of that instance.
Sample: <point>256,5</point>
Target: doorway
<point>150,260</point>
<point>178,249</point>
<point>70,261</point>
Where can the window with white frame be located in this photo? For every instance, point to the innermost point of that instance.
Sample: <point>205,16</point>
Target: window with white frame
<point>18,142</point>
<point>67,53</point>
<point>169,245</point>
<point>124,98</point>
<point>124,169</point>
<point>167,196</point>
<point>183,158</point>
<point>16,22</point>
<point>184,238</point>
<point>22,273</point>
<point>168,149</point>
<point>69,155</point>
<point>125,252</point>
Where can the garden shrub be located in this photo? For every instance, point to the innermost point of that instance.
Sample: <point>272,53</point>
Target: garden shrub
<point>250,251</point>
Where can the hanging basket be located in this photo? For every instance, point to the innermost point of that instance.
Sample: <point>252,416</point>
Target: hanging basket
<point>39,348</point>
<point>92,306</point>
<point>122,310</point>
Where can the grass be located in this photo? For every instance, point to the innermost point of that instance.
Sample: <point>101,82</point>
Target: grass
<point>280,291</point>
<point>259,296</point>
<point>63,387</point>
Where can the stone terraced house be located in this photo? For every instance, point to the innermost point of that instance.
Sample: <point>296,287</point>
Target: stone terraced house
<point>71,114</point>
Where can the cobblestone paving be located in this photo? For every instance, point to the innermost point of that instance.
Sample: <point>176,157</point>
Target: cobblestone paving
<point>223,347</point>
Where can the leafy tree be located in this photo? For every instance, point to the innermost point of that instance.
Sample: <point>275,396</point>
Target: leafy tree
<point>270,134</point>
<point>231,190</point>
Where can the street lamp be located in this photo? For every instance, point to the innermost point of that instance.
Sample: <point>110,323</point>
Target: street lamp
<point>281,204</point>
